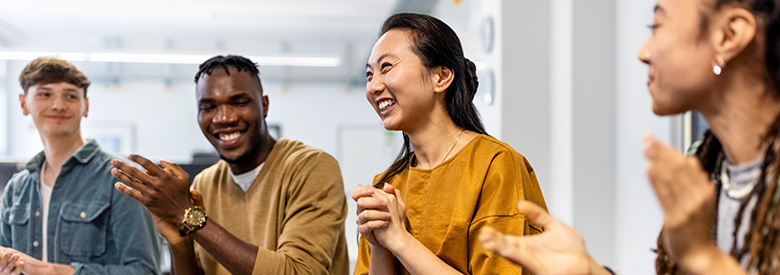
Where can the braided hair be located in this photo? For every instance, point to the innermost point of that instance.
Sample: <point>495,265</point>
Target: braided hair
<point>239,62</point>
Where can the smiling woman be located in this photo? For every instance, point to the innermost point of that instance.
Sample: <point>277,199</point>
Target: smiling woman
<point>451,179</point>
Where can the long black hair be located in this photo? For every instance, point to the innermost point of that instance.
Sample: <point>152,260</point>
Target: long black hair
<point>436,44</point>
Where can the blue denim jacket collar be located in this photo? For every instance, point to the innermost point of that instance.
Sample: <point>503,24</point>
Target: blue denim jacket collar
<point>83,155</point>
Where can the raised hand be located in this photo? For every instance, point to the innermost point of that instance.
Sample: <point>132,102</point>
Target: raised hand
<point>686,196</point>
<point>170,231</point>
<point>164,191</point>
<point>557,250</point>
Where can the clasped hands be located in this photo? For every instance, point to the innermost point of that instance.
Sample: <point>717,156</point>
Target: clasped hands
<point>13,262</point>
<point>381,215</point>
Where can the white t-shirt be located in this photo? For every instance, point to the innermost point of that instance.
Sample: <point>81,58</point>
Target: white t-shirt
<point>45,199</point>
<point>245,180</point>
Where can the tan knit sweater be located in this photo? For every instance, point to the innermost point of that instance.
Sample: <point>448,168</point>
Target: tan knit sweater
<point>294,212</point>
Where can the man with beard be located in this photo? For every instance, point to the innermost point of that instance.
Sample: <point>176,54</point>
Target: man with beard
<point>274,206</point>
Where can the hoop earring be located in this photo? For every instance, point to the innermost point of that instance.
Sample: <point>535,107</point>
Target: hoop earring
<point>718,64</point>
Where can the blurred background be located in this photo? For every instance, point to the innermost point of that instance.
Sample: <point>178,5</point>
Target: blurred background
<point>559,82</point>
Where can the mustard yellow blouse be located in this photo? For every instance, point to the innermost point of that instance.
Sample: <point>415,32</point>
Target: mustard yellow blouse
<point>447,206</point>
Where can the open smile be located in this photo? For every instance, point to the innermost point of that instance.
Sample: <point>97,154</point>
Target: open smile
<point>229,138</point>
<point>386,105</point>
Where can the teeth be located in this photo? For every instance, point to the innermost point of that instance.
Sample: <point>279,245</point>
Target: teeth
<point>229,136</point>
<point>385,104</point>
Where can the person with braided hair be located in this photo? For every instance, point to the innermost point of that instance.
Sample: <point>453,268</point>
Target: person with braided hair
<point>422,215</point>
<point>720,203</point>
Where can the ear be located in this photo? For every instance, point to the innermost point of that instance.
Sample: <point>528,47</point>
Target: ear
<point>86,106</point>
<point>265,106</point>
<point>734,31</point>
<point>23,102</point>
<point>442,78</point>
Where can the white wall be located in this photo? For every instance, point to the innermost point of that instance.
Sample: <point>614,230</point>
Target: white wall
<point>638,215</point>
<point>3,108</point>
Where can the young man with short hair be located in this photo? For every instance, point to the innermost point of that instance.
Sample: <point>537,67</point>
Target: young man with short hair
<point>274,206</point>
<point>61,214</point>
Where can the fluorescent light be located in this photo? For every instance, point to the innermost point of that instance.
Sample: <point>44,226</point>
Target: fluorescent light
<point>292,61</point>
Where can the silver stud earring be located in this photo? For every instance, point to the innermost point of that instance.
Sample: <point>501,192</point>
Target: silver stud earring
<point>718,64</point>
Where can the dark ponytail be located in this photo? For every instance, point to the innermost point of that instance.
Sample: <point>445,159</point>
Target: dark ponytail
<point>437,45</point>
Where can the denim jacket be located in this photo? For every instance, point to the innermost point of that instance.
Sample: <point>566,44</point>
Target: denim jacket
<point>91,225</point>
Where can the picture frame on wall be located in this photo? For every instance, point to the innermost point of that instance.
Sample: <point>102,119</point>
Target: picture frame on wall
<point>115,137</point>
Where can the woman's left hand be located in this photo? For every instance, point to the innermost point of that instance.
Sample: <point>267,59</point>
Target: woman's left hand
<point>395,233</point>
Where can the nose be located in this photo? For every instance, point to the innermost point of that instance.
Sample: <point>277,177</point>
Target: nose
<point>225,115</point>
<point>375,86</point>
<point>644,52</point>
<point>58,103</point>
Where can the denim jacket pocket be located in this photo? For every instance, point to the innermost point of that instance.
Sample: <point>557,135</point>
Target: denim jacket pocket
<point>18,218</point>
<point>83,228</point>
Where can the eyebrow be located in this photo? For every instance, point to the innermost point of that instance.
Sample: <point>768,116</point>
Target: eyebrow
<point>659,9</point>
<point>368,65</point>
<point>50,89</point>
<point>233,97</point>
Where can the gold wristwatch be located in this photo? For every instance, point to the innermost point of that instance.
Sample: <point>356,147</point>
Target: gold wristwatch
<point>194,219</point>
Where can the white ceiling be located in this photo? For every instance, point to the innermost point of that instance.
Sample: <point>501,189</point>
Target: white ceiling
<point>343,28</point>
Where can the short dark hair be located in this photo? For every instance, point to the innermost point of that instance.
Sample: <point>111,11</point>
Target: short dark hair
<point>239,62</point>
<point>45,70</point>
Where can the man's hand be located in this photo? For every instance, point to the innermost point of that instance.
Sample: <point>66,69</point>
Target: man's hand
<point>557,250</point>
<point>164,191</point>
<point>9,262</point>
<point>170,231</point>
<point>15,262</point>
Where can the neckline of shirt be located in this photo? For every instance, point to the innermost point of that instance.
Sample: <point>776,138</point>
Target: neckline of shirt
<point>451,159</point>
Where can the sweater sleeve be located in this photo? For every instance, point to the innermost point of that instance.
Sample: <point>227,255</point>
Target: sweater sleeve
<point>313,223</point>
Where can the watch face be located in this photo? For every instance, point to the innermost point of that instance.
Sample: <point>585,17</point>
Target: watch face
<point>196,217</point>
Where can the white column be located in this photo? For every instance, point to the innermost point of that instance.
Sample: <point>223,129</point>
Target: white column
<point>638,217</point>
